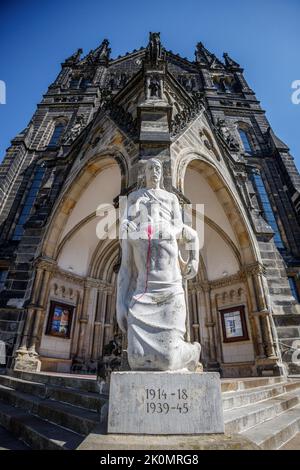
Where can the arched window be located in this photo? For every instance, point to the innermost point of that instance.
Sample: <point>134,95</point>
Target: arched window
<point>245,140</point>
<point>230,86</point>
<point>219,85</point>
<point>29,202</point>
<point>74,82</point>
<point>85,82</point>
<point>267,208</point>
<point>55,138</point>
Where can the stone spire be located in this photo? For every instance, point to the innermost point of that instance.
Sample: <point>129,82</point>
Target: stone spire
<point>154,48</point>
<point>103,52</point>
<point>74,58</point>
<point>202,55</point>
<point>230,63</point>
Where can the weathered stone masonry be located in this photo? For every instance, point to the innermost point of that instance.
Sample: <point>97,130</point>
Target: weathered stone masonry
<point>99,118</point>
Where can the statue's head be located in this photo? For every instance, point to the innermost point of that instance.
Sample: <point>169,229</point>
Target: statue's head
<point>153,173</point>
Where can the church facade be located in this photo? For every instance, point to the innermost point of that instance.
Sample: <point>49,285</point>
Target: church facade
<point>62,178</point>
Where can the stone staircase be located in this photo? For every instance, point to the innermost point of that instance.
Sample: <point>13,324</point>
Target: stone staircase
<point>264,410</point>
<point>51,411</point>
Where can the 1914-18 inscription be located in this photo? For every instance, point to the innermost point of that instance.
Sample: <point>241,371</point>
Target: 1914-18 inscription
<point>162,402</point>
<point>165,403</point>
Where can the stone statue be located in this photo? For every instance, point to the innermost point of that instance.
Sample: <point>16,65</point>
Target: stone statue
<point>154,88</point>
<point>228,137</point>
<point>75,130</point>
<point>104,50</point>
<point>154,47</point>
<point>151,305</point>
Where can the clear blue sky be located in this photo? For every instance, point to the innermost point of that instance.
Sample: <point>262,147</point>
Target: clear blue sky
<point>262,35</point>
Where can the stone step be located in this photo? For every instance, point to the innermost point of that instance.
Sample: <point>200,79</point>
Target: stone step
<point>266,246</point>
<point>230,385</point>
<point>36,432</point>
<point>9,442</point>
<point>71,417</point>
<point>281,291</point>
<point>268,255</point>
<point>241,419</point>
<point>89,400</point>
<point>276,432</point>
<point>292,444</point>
<point>87,384</point>
<point>270,263</point>
<point>278,282</point>
<point>232,400</point>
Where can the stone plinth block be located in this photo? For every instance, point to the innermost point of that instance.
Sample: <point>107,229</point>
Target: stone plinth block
<point>178,402</point>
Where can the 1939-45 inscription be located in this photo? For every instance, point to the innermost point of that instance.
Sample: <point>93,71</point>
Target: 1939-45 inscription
<point>159,401</point>
<point>165,403</point>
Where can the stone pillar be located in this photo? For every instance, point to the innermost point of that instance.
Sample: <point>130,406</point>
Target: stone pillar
<point>83,320</point>
<point>91,316</point>
<point>99,325</point>
<point>210,324</point>
<point>75,338</point>
<point>264,312</point>
<point>254,318</point>
<point>39,313</point>
<point>26,359</point>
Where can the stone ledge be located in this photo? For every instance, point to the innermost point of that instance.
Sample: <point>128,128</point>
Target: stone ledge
<point>98,441</point>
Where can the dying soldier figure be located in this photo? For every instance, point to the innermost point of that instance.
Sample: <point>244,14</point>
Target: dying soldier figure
<point>151,306</point>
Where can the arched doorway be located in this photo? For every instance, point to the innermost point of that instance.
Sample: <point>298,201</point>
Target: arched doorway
<point>222,293</point>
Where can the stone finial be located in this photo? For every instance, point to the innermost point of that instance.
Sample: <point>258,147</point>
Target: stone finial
<point>229,62</point>
<point>154,48</point>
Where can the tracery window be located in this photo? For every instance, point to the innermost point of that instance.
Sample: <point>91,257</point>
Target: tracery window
<point>245,140</point>
<point>57,133</point>
<point>28,203</point>
<point>267,209</point>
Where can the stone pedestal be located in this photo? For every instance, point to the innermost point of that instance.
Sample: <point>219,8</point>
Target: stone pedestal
<point>168,403</point>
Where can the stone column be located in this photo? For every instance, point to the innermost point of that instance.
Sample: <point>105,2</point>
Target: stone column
<point>264,312</point>
<point>75,338</point>
<point>210,324</point>
<point>99,325</point>
<point>83,320</point>
<point>27,359</point>
<point>39,313</point>
<point>254,318</point>
<point>91,316</point>
<point>29,318</point>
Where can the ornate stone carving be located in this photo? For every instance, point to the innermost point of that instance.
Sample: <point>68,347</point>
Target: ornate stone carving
<point>154,48</point>
<point>123,118</point>
<point>227,135</point>
<point>74,132</point>
<point>117,81</point>
<point>186,115</point>
<point>154,87</point>
<point>74,58</point>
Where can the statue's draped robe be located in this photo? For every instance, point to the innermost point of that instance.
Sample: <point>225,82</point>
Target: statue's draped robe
<point>157,313</point>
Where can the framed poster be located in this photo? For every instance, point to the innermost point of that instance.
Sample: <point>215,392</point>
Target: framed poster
<point>234,324</point>
<point>59,320</point>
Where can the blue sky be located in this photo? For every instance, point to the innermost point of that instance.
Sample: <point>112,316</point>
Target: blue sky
<point>262,35</point>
